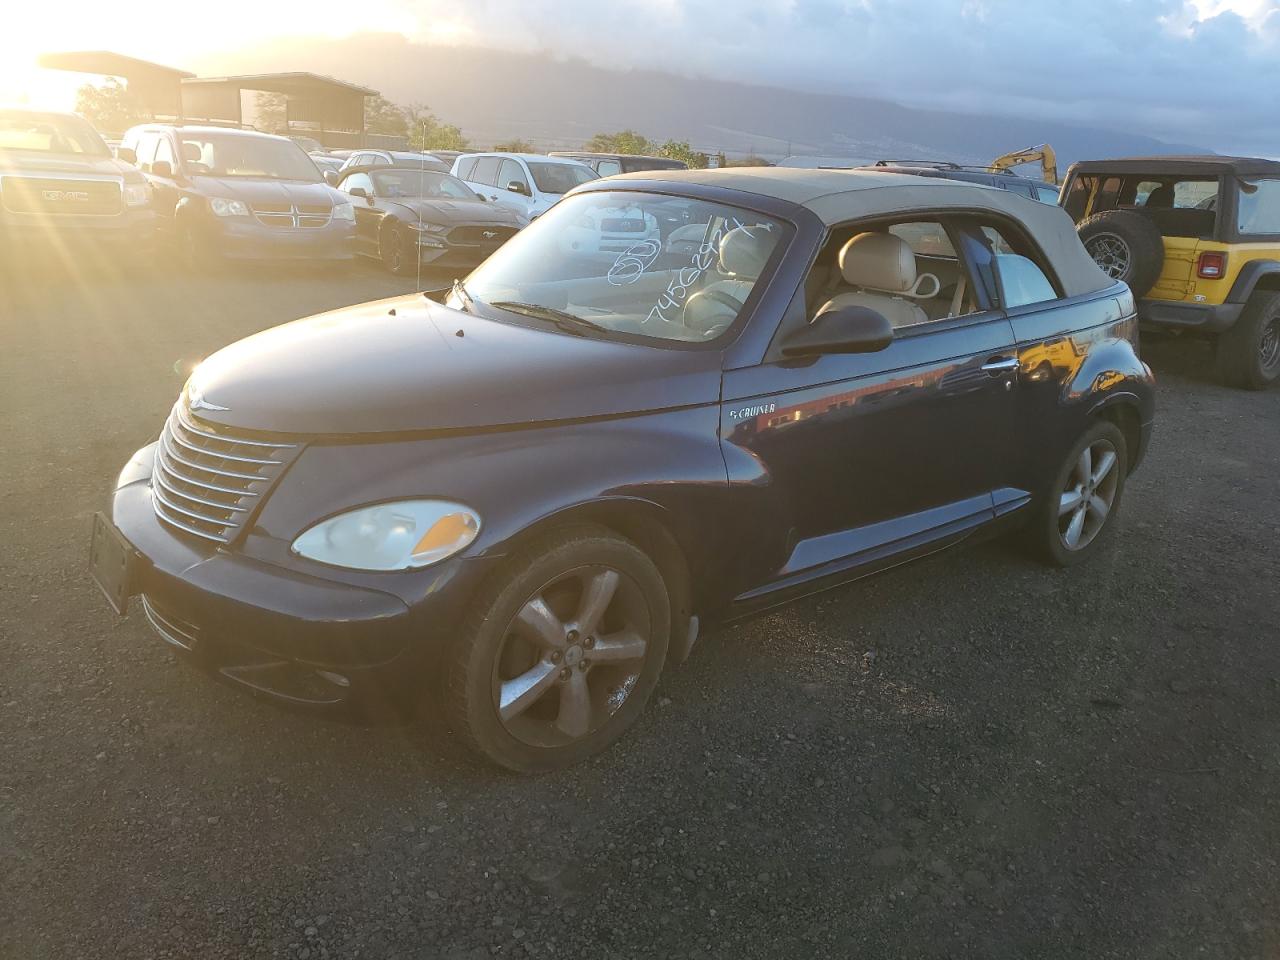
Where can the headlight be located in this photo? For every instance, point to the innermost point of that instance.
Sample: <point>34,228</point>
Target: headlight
<point>137,194</point>
<point>229,208</point>
<point>425,227</point>
<point>344,211</point>
<point>391,536</point>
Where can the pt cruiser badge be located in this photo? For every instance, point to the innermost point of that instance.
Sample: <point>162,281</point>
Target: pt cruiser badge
<point>524,523</point>
<point>746,413</point>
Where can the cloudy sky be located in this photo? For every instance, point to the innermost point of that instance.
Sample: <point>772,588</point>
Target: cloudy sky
<point>1200,71</point>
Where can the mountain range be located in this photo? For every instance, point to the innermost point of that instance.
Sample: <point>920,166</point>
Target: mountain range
<point>552,102</point>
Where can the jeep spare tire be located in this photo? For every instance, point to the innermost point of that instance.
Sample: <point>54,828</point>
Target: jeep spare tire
<point>1126,245</point>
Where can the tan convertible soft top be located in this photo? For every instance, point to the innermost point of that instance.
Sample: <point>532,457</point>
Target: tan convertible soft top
<point>839,196</point>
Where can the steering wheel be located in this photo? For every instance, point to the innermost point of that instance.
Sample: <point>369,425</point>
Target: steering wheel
<point>710,312</point>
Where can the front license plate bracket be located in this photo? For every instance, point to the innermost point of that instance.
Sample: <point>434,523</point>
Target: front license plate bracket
<point>113,563</point>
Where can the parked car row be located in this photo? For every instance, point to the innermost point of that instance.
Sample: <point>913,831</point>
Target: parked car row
<point>215,193</point>
<point>1194,238</point>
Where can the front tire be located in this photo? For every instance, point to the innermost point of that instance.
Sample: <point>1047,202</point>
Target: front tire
<point>560,652</point>
<point>1249,353</point>
<point>396,254</point>
<point>1076,515</point>
<point>197,251</point>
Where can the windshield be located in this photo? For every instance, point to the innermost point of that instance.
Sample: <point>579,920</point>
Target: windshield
<point>49,133</point>
<point>233,155</point>
<point>559,177</point>
<point>629,263</point>
<point>414,183</point>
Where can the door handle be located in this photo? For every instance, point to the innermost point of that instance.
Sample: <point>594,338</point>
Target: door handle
<point>998,365</point>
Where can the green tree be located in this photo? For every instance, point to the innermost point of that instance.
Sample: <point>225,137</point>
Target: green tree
<point>426,132</point>
<point>514,146</point>
<point>624,141</point>
<point>680,150</point>
<point>111,108</point>
<point>383,116</point>
<point>750,160</point>
<point>271,112</point>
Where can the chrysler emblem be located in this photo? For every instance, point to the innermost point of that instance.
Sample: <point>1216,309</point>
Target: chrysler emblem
<point>198,402</point>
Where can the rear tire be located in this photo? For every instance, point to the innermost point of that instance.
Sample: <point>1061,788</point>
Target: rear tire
<point>1249,353</point>
<point>1076,515</point>
<point>560,652</point>
<point>1126,246</point>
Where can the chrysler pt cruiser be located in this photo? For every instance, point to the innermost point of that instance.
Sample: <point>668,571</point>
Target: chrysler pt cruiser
<point>521,502</point>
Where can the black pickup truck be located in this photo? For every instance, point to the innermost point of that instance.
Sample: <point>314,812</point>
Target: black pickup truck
<point>61,188</point>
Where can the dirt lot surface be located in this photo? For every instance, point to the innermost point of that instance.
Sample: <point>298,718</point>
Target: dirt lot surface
<point>971,757</point>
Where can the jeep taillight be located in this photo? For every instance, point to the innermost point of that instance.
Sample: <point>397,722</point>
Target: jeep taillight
<point>1212,265</point>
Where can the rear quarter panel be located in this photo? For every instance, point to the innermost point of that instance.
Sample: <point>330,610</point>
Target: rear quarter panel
<point>1077,358</point>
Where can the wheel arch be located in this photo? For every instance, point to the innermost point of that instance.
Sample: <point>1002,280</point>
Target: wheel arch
<point>1254,275</point>
<point>647,525</point>
<point>1124,412</point>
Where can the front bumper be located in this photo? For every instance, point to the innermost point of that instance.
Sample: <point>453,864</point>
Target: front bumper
<point>292,634</point>
<point>133,229</point>
<point>244,238</point>
<point>1205,317</point>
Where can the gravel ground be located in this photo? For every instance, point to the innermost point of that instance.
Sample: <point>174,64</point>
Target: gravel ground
<point>973,756</point>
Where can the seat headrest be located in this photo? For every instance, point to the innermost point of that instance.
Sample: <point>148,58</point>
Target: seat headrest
<point>878,261</point>
<point>745,250</point>
<point>1161,198</point>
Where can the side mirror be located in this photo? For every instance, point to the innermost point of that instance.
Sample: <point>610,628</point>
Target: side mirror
<point>331,177</point>
<point>359,192</point>
<point>162,168</point>
<point>126,154</point>
<point>841,330</point>
<point>515,186</point>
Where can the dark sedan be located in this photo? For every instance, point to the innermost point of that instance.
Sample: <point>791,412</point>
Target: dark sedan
<point>406,216</point>
<point>522,503</point>
<point>224,193</point>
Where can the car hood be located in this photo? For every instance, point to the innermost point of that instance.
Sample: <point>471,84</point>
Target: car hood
<point>458,211</point>
<point>19,161</point>
<point>253,190</point>
<point>409,364</point>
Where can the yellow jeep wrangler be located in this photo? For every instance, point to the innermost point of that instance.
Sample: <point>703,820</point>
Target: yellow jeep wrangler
<point>1198,241</point>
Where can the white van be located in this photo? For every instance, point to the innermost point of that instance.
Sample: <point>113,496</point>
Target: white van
<point>527,182</point>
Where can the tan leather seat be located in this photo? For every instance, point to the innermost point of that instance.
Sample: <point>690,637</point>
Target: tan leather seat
<point>881,269</point>
<point>744,251</point>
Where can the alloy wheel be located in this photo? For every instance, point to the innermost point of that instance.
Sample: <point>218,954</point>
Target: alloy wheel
<point>395,251</point>
<point>571,656</point>
<point>1111,253</point>
<point>1090,494</point>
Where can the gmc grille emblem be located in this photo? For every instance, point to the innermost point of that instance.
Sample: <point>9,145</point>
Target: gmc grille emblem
<point>79,196</point>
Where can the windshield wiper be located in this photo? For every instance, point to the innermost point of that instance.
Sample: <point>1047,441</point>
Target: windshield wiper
<point>568,322</point>
<point>460,291</point>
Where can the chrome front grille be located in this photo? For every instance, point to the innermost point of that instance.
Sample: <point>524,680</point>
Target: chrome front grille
<point>207,480</point>
<point>302,215</point>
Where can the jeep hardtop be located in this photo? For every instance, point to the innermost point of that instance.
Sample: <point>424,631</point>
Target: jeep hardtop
<point>1198,241</point>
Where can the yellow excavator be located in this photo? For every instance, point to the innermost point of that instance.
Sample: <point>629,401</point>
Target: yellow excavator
<point>1042,154</point>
